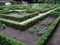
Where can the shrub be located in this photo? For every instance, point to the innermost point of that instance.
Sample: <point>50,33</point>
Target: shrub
<point>3,26</point>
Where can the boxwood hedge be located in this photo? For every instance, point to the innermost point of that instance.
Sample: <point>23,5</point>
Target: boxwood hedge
<point>11,23</point>
<point>33,21</point>
<point>21,18</point>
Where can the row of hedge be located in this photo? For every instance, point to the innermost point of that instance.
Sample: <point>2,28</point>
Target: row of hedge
<point>24,25</point>
<point>4,40</point>
<point>11,23</point>
<point>34,21</point>
<point>45,36</point>
<point>21,18</point>
<point>9,11</point>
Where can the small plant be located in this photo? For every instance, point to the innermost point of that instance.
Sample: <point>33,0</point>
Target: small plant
<point>2,26</point>
<point>40,32</point>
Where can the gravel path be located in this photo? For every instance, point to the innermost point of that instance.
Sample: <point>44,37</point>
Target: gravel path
<point>55,38</point>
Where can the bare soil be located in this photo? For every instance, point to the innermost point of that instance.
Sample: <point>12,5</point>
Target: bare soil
<point>55,38</point>
<point>14,14</point>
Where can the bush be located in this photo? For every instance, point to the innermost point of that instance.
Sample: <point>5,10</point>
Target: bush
<point>2,26</point>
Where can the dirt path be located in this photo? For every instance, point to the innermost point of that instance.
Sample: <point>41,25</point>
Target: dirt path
<point>55,38</point>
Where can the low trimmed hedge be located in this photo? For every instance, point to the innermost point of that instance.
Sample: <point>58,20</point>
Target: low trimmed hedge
<point>9,41</point>
<point>33,21</point>
<point>45,36</point>
<point>11,23</point>
<point>21,18</point>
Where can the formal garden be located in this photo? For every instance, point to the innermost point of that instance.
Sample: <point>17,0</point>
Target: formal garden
<point>28,24</point>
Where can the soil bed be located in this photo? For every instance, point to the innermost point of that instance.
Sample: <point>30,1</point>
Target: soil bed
<point>30,35</point>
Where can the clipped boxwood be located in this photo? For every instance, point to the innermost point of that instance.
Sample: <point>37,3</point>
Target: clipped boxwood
<point>21,18</point>
<point>11,23</point>
<point>4,40</point>
<point>45,36</point>
<point>33,21</point>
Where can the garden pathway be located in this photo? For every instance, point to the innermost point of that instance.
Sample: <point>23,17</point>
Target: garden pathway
<point>55,38</point>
